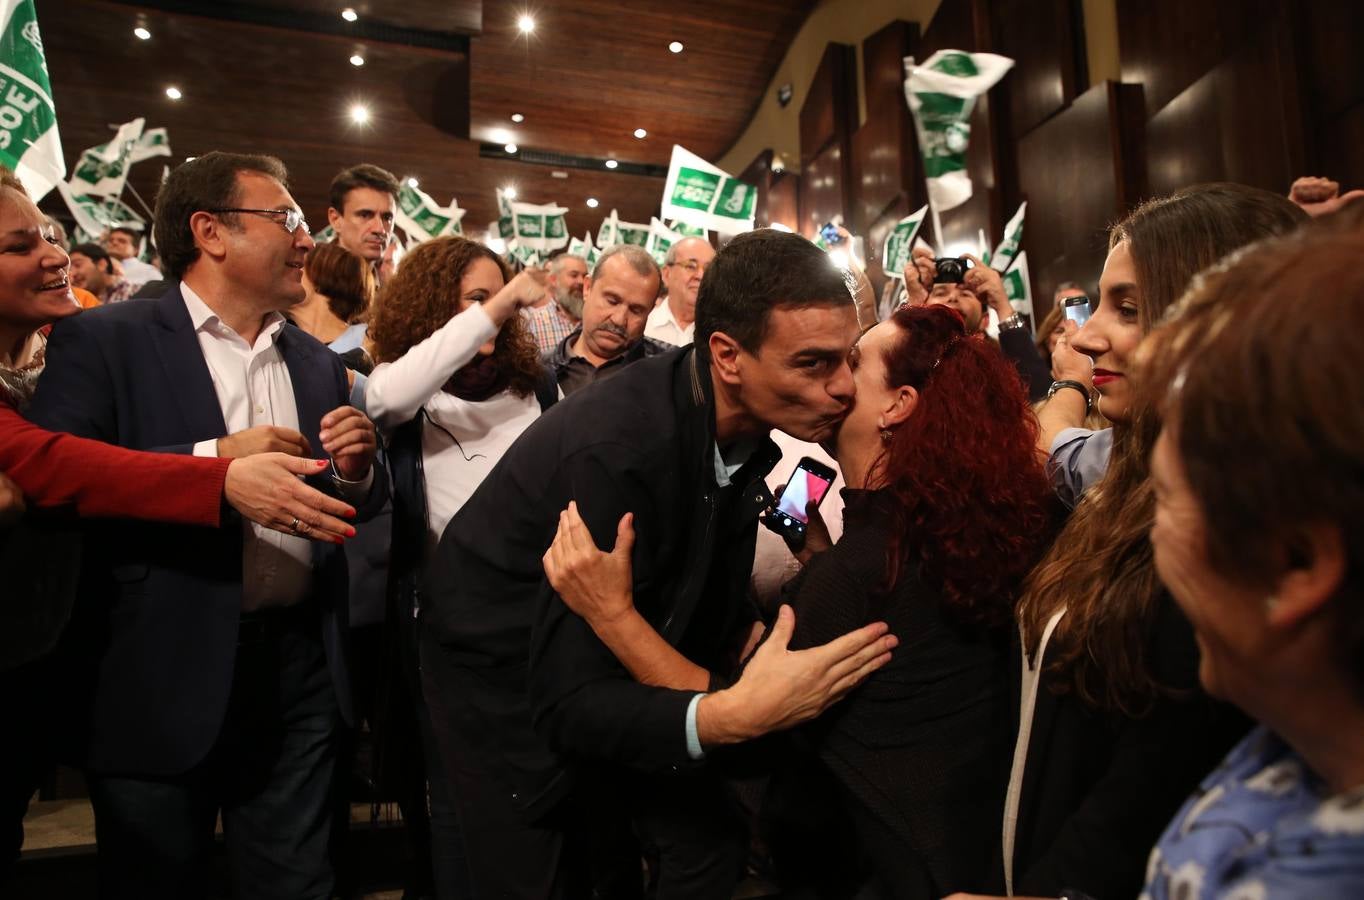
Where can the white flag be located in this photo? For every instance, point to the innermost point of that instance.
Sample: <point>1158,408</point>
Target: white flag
<point>941,94</point>
<point>29,144</point>
<point>103,170</point>
<point>661,237</point>
<point>896,252</point>
<point>539,227</point>
<point>422,218</point>
<point>153,142</point>
<point>613,231</point>
<point>1018,286</point>
<point>1013,236</point>
<point>705,196</point>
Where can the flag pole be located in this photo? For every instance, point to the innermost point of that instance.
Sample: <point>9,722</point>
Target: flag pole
<point>151,215</point>
<point>937,225</point>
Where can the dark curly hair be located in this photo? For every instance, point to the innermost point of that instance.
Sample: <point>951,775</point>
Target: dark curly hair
<point>424,294</point>
<point>974,502</point>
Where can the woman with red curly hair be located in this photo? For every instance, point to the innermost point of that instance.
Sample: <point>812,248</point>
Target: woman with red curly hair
<point>947,507</point>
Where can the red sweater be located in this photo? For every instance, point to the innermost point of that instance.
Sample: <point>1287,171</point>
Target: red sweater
<point>102,480</point>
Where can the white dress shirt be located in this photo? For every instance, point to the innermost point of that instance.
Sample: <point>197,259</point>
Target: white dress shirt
<point>463,439</point>
<point>662,326</point>
<point>254,388</point>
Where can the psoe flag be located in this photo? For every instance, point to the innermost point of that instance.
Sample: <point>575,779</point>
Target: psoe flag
<point>1013,237</point>
<point>941,94</point>
<point>899,245</point>
<point>1018,286</point>
<point>700,194</point>
<point>29,144</point>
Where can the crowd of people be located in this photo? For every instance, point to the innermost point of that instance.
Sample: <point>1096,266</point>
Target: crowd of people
<point>283,521</point>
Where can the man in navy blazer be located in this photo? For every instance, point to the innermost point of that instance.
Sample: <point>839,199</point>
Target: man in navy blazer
<point>213,661</point>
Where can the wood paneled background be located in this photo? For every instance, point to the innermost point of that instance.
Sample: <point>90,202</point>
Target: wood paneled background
<point>1255,91</point>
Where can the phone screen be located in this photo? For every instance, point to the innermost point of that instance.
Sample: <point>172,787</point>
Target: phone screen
<point>804,487</point>
<point>1077,310</point>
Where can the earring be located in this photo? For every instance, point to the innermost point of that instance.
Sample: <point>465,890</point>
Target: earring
<point>886,435</point>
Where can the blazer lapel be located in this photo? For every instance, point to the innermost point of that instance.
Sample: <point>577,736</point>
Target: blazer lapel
<point>186,370</point>
<point>314,393</point>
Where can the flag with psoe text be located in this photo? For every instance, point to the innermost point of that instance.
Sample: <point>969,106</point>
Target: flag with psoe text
<point>705,196</point>
<point>898,248</point>
<point>29,144</point>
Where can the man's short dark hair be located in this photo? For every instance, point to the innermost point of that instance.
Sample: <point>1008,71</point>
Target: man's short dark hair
<point>206,182</point>
<point>760,271</point>
<point>96,254</point>
<point>363,175</point>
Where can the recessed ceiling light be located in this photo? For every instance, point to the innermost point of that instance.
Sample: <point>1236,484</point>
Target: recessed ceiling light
<point>611,164</point>
<point>357,60</point>
<point>190,158</point>
<point>675,46</point>
<point>518,118</point>
<point>641,133</point>
<point>558,173</point>
<point>500,136</point>
<point>359,114</point>
<point>349,14</point>
<point>142,33</point>
<point>510,148</point>
<point>526,23</point>
<point>591,202</point>
<point>174,93</point>
<point>412,182</point>
<point>509,192</point>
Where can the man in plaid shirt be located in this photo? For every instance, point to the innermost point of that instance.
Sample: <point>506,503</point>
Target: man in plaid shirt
<point>560,315</point>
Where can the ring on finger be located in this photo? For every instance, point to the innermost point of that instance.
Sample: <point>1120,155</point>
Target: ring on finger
<point>293,526</point>
<point>303,527</point>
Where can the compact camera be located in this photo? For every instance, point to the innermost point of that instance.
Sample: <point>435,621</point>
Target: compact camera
<point>951,270</point>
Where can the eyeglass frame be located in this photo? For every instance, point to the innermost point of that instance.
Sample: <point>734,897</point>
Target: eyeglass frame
<point>691,266</point>
<point>271,213</point>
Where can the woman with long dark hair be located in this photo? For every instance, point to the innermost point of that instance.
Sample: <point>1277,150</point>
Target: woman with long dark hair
<point>946,509</point>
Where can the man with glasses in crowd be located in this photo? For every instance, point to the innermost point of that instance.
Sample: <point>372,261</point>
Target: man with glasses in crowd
<point>674,320</point>
<point>216,677</point>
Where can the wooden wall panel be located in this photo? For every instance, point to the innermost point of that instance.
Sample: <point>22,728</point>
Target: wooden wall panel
<point>822,187</point>
<point>1242,121</point>
<point>1079,171</point>
<point>1043,39</point>
<point>783,201</point>
<point>884,154</point>
<point>829,112</point>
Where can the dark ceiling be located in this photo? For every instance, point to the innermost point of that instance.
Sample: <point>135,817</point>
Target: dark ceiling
<point>441,77</point>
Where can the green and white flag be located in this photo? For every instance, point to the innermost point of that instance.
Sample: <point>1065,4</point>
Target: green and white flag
<point>527,256</point>
<point>1018,286</point>
<point>898,248</point>
<point>29,144</point>
<point>661,237</point>
<point>686,230</point>
<point>941,94</point>
<point>706,196</point>
<point>506,227</point>
<point>1007,250</point>
<point>540,227</point>
<point>103,170</point>
<point>613,231</point>
<point>154,142</point>
<point>422,218</point>
<point>325,236</point>
<point>583,249</point>
<point>96,215</point>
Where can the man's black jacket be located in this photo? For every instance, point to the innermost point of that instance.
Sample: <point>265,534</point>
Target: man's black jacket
<point>538,689</point>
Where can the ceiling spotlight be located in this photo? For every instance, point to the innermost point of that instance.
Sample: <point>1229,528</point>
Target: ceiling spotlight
<point>174,93</point>
<point>359,114</point>
<point>611,164</point>
<point>190,158</point>
<point>518,118</point>
<point>412,182</point>
<point>641,133</point>
<point>510,148</point>
<point>357,60</point>
<point>500,136</point>
<point>509,192</point>
<point>142,33</point>
<point>526,23</point>
<point>591,202</point>
<point>349,14</point>
<point>675,46</point>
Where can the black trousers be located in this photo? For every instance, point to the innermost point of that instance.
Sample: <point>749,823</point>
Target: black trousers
<point>687,819</point>
<point>269,773</point>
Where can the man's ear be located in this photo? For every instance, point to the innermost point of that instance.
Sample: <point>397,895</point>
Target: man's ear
<point>901,407</point>
<point>207,230</point>
<point>724,355</point>
<point>1314,573</point>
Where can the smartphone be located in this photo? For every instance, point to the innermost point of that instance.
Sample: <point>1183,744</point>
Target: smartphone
<point>829,232</point>
<point>810,482</point>
<point>1076,309</point>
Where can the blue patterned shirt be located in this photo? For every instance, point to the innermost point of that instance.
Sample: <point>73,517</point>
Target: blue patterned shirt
<point>1262,826</point>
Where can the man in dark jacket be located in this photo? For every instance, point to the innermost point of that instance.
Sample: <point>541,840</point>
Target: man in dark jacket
<point>535,716</point>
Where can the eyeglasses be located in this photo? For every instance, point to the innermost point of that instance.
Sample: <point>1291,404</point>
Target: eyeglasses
<point>692,267</point>
<point>292,221</point>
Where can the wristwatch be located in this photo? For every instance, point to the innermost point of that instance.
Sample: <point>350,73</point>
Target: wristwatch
<point>1014,321</point>
<point>1073,385</point>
